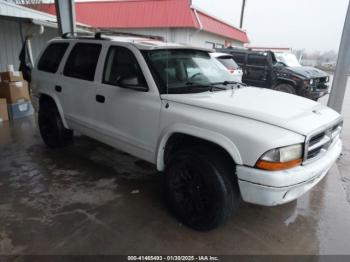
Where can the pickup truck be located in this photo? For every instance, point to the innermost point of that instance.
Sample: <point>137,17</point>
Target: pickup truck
<point>215,141</point>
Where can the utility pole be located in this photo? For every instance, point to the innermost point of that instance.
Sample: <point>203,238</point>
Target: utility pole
<point>242,14</point>
<point>342,69</point>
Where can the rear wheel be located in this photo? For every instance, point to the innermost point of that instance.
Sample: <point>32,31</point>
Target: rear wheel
<point>51,127</point>
<point>287,88</point>
<point>201,187</point>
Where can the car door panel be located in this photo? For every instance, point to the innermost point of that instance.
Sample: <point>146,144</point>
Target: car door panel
<point>125,110</point>
<point>78,87</point>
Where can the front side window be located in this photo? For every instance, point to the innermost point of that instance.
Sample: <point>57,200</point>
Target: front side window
<point>257,60</point>
<point>182,71</point>
<point>121,64</point>
<point>82,61</point>
<point>52,56</point>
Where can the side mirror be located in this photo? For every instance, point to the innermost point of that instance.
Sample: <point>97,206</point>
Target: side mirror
<point>132,83</point>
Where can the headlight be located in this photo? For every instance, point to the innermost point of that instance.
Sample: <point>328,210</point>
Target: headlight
<point>327,78</point>
<point>311,81</point>
<point>281,158</point>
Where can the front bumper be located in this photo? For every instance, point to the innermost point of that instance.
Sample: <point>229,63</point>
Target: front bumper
<point>270,188</point>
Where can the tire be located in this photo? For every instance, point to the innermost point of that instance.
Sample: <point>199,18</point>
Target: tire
<point>51,128</point>
<point>201,188</point>
<point>286,88</point>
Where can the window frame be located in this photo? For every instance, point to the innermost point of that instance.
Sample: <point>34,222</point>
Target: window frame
<point>109,48</point>
<point>61,60</point>
<point>71,51</point>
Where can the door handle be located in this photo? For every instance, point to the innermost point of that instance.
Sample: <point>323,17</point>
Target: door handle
<point>58,89</point>
<point>100,98</point>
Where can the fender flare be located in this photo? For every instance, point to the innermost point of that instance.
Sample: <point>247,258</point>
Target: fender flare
<point>58,105</point>
<point>197,132</point>
<point>281,80</point>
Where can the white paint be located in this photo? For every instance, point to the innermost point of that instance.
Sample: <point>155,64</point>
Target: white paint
<point>246,122</point>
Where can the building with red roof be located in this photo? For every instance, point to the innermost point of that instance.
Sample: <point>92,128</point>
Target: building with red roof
<point>174,20</point>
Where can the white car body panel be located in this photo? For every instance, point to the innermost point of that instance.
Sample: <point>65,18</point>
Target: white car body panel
<point>277,108</point>
<point>246,122</point>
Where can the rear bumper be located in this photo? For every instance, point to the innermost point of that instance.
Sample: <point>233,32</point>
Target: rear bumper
<point>270,188</point>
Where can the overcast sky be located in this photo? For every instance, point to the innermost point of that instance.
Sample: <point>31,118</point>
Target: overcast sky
<point>310,24</point>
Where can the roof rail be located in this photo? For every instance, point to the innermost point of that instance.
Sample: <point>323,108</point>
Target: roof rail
<point>75,35</point>
<point>99,33</point>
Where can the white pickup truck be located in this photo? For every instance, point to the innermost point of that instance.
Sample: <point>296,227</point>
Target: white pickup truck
<point>216,141</point>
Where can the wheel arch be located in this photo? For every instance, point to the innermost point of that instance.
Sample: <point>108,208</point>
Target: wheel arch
<point>183,134</point>
<point>286,81</point>
<point>54,99</point>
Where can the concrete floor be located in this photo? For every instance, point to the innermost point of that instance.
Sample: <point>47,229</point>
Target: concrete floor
<point>91,199</point>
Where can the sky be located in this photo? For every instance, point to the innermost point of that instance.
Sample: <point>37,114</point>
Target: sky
<point>313,25</point>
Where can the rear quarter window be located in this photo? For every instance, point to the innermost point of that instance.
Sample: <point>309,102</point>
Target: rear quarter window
<point>228,62</point>
<point>82,61</point>
<point>52,56</point>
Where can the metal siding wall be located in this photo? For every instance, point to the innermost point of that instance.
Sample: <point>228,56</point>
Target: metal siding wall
<point>201,38</point>
<point>40,41</point>
<point>11,42</point>
<point>183,36</point>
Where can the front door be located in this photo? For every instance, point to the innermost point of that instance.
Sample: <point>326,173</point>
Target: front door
<point>257,70</point>
<point>128,116</point>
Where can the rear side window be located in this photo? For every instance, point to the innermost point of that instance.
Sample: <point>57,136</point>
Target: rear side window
<point>52,56</point>
<point>228,62</point>
<point>258,60</point>
<point>82,61</point>
<point>239,58</point>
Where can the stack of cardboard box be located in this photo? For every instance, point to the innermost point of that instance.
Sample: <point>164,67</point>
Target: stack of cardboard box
<point>14,91</point>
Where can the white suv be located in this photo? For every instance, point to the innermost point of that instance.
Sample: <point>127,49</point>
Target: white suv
<point>216,141</point>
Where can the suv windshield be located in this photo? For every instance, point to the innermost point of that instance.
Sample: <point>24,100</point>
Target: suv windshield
<point>187,71</point>
<point>288,59</point>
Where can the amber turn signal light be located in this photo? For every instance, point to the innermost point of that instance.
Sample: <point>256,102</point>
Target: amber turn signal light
<point>274,166</point>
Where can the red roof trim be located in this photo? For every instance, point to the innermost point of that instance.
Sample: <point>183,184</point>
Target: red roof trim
<point>123,14</point>
<point>215,26</point>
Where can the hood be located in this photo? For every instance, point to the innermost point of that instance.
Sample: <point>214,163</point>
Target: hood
<point>307,71</point>
<point>288,111</point>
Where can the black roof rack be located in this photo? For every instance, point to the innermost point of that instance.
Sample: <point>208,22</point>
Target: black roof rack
<point>87,35</point>
<point>100,35</point>
<point>117,33</point>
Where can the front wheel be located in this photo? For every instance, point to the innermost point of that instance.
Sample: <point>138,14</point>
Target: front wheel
<point>201,187</point>
<point>286,88</point>
<point>51,127</point>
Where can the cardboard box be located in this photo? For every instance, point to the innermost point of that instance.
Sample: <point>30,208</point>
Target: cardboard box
<point>4,116</point>
<point>20,109</point>
<point>11,76</point>
<point>14,91</point>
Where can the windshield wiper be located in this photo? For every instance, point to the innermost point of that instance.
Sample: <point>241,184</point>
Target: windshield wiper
<point>225,83</point>
<point>211,87</point>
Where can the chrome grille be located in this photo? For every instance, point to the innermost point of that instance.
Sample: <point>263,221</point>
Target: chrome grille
<point>319,143</point>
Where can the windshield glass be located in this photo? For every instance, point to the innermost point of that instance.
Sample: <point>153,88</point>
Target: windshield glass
<point>288,59</point>
<point>228,62</point>
<point>185,71</point>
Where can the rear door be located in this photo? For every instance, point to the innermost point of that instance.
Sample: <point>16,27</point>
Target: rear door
<point>257,70</point>
<point>77,85</point>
